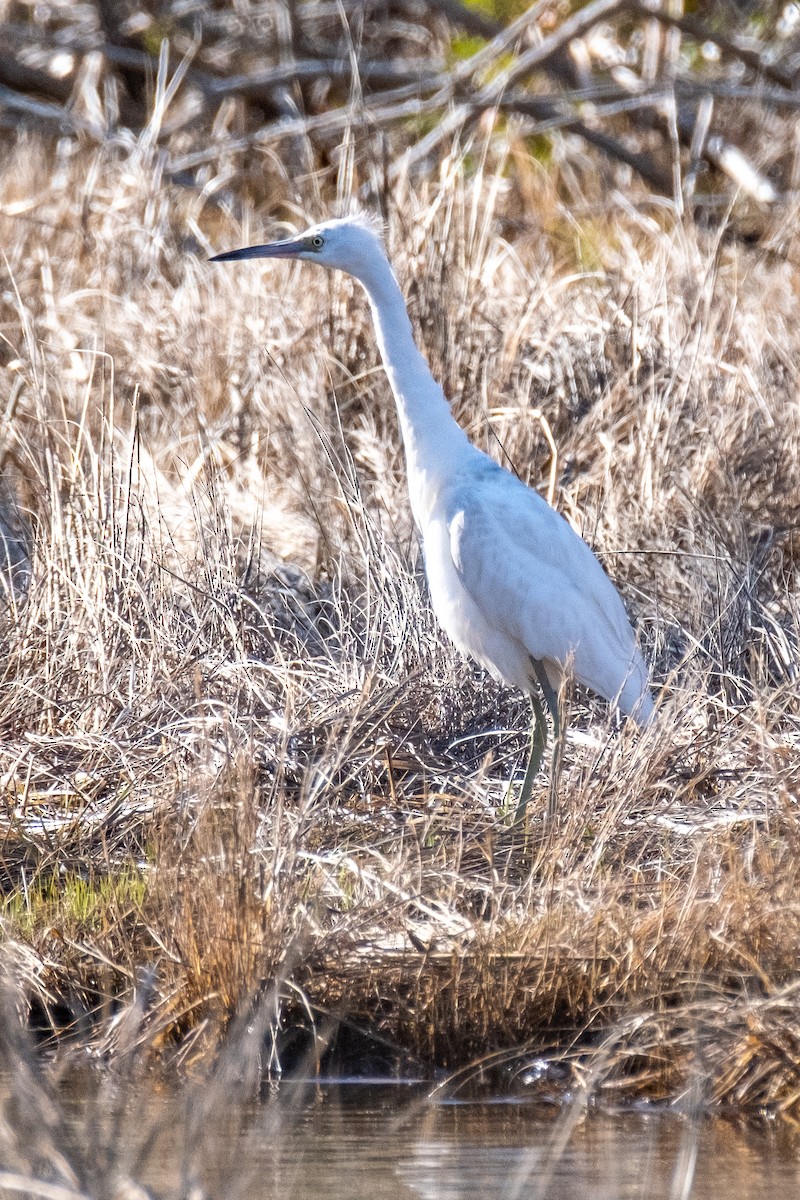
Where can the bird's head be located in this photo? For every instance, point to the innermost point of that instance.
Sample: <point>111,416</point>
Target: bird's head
<point>351,244</point>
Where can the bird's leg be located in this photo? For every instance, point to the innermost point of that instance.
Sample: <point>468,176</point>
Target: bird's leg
<point>538,743</point>
<point>551,699</point>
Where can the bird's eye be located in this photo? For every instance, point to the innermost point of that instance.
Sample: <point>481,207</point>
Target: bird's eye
<point>317,242</point>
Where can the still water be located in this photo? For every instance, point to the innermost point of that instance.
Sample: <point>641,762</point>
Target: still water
<point>354,1141</point>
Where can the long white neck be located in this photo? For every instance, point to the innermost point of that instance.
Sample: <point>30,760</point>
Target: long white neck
<point>432,439</point>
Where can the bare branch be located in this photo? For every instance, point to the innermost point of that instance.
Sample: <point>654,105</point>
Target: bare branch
<point>22,78</point>
<point>43,110</point>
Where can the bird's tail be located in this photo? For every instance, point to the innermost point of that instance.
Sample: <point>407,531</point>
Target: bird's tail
<point>635,698</point>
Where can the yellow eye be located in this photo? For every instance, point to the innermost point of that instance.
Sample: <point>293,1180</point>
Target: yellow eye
<point>317,242</point>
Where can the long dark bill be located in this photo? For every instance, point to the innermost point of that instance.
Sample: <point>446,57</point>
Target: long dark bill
<point>286,249</point>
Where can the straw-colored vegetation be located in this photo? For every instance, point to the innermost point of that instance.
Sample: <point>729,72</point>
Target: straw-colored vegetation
<point>238,761</point>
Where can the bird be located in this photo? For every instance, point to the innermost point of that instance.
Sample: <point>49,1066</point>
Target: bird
<point>510,581</point>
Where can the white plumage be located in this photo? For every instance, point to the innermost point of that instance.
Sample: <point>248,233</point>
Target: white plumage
<point>510,581</point>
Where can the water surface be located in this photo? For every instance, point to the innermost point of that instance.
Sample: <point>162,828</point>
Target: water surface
<point>348,1142</point>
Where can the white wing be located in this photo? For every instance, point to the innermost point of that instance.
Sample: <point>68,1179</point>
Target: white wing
<point>532,577</point>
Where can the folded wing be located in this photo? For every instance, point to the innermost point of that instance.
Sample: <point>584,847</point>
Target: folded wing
<point>534,578</point>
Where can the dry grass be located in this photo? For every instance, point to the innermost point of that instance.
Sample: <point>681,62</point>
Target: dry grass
<point>234,748</point>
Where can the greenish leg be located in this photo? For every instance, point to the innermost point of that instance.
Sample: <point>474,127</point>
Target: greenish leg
<point>551,699</point>
<point>538,743</point>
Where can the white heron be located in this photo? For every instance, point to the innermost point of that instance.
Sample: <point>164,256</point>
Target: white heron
<point>511,582</point>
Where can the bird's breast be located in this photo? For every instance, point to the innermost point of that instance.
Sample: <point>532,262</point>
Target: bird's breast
<point>460,617</point>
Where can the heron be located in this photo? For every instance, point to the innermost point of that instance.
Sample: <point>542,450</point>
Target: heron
<point>511,582</point>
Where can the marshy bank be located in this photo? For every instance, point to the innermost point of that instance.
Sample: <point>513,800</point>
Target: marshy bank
<point>245,782</point>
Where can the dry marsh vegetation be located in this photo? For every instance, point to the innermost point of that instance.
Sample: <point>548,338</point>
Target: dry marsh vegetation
<point>239,764</point>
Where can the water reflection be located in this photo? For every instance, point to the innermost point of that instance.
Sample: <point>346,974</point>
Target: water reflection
<point>354,1141</point>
